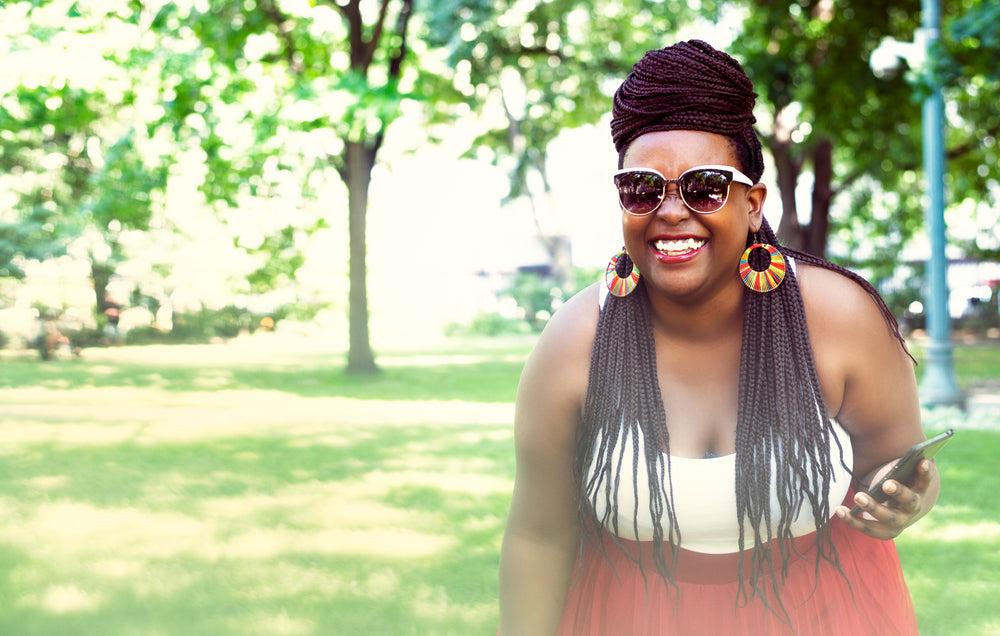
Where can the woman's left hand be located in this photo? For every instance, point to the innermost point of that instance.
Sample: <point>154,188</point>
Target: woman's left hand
<point>905,505</point>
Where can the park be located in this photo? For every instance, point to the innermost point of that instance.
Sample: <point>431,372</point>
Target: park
<point>270,272</point>
<point>253,487</point>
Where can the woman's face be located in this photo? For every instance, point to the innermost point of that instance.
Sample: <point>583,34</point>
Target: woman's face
<point>681,253</point>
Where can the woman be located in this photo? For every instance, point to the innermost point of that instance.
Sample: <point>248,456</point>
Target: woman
<point>689,435</point>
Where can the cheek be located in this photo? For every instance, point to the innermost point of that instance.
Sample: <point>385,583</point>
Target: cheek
<point>633,231</point>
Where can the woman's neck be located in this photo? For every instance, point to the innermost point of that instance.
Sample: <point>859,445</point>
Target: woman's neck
<point>705,320</point>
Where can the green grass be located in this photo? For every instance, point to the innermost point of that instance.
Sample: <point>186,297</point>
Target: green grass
<point>253,490</point>
<point>951,558</point>
<point>257,489</point>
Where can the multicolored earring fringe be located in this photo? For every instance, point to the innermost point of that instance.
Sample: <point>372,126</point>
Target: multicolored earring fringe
<point>621,275</point>
<point>770,277</point>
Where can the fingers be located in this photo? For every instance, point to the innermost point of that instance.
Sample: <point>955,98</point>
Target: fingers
<point>923,479</point>
<point>886,520</point>
<point>878,520</point>
<point>907,500</point>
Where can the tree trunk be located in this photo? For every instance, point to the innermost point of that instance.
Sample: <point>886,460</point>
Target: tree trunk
<point>359,160</point>
<point>100,274</point>
<point>560,249</point>
<point>559,246</point>
<point>789,231</point>
<point>822,196</point>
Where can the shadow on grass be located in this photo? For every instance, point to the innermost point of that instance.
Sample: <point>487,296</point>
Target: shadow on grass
<point>483,381</point>
<point>377,530</point>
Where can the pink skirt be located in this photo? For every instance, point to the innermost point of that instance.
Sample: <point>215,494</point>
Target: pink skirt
<point>876,602</point>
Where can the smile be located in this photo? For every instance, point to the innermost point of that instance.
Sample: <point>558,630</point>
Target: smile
<point>676,248</point>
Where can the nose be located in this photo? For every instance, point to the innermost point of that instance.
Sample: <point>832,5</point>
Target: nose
<point>673,208</point>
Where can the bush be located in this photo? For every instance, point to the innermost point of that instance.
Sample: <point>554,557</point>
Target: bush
<point>87,337</point>
<point>536,297</point>
<point>147,335</point>
<point>490,324</point>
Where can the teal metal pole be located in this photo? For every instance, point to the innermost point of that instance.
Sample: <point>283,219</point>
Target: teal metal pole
<point>937,386</point>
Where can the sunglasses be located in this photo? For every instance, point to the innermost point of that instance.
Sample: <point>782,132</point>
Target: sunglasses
<point>703,189</point>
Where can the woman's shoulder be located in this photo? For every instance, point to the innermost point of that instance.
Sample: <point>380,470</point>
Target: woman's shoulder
<point>560,360</point>
<point>571,330</point>
<point>833,300</point>
<point>553,386</point>
<point>857,351</point>
<point>865,370</point>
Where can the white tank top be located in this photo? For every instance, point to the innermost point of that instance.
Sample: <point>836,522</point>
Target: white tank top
<point>704,497</point>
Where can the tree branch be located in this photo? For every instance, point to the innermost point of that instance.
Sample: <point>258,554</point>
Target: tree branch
<point>376,34</point>
<point>402,24</point>
<point>281,22</point>
<point>363,51</point>
<point>351,11</point>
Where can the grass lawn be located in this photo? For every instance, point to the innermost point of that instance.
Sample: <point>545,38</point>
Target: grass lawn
<point>252,488</point>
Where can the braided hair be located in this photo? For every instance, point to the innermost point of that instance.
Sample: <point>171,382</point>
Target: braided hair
<point>688,86</point>
<point>783,426</point>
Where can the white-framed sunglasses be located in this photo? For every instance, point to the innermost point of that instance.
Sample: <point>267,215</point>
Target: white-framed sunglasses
<point>703,189</point>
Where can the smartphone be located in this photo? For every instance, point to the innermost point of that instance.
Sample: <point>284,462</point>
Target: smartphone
<point>906,466</point>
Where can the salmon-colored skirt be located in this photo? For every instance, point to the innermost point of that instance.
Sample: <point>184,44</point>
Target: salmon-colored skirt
<point>876,602</point>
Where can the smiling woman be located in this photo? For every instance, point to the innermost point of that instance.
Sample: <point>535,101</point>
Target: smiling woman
<point>772,375</point>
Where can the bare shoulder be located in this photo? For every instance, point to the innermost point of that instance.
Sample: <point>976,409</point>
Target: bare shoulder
<point>558,367</point>
<point>836,303</point>
<point>550,399</point>
<point>844,319</point>
<point>552,389</point>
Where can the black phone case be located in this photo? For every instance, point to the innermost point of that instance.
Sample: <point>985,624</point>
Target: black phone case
<point>906,466</point>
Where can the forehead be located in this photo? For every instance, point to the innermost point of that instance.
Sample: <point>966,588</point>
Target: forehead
<point>674,151</point>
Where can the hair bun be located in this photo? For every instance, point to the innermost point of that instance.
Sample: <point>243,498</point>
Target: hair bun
<point>687,86</point>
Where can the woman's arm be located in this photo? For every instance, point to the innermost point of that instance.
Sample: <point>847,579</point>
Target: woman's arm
<point>870,386</point>
<point>541,539</point>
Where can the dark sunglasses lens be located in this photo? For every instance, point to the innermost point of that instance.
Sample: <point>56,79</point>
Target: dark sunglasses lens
<point>639,192</point>
<point>705,190</point>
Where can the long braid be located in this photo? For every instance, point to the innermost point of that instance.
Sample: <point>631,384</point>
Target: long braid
<point>783,432</point>
<point>782,415</point>
<point>623,399</point>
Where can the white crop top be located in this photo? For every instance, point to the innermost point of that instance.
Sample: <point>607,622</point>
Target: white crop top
<point>704,497</point>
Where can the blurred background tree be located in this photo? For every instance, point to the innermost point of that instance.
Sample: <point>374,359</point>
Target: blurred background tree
<point>549,66</point>
<point>852,135</point>
<point>340,71</point>
<point>110,107</point>
<point>967,65</point>
<point>74,147</point>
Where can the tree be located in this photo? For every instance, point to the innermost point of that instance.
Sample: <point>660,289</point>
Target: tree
<point>25,237</point>
<point>342,66</point>
<point>547,66</point>
<point>859,133</point>
<point>966,65</point>
<point>826,109</point>
<point>79,155</point>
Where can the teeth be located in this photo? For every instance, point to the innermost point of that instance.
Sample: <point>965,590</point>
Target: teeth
<point>679,247</point>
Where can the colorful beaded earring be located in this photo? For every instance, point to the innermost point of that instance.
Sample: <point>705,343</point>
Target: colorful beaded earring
<point>621,275</point>
<point>768,278</point>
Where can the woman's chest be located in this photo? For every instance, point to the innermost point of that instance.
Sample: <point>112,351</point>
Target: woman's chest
<point>700,391</point>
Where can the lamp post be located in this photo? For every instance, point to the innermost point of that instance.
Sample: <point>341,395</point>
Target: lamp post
<point>937,386</point>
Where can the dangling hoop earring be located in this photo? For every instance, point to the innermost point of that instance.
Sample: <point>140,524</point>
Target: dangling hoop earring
<point>621,275</point>
<point>767,279</point>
